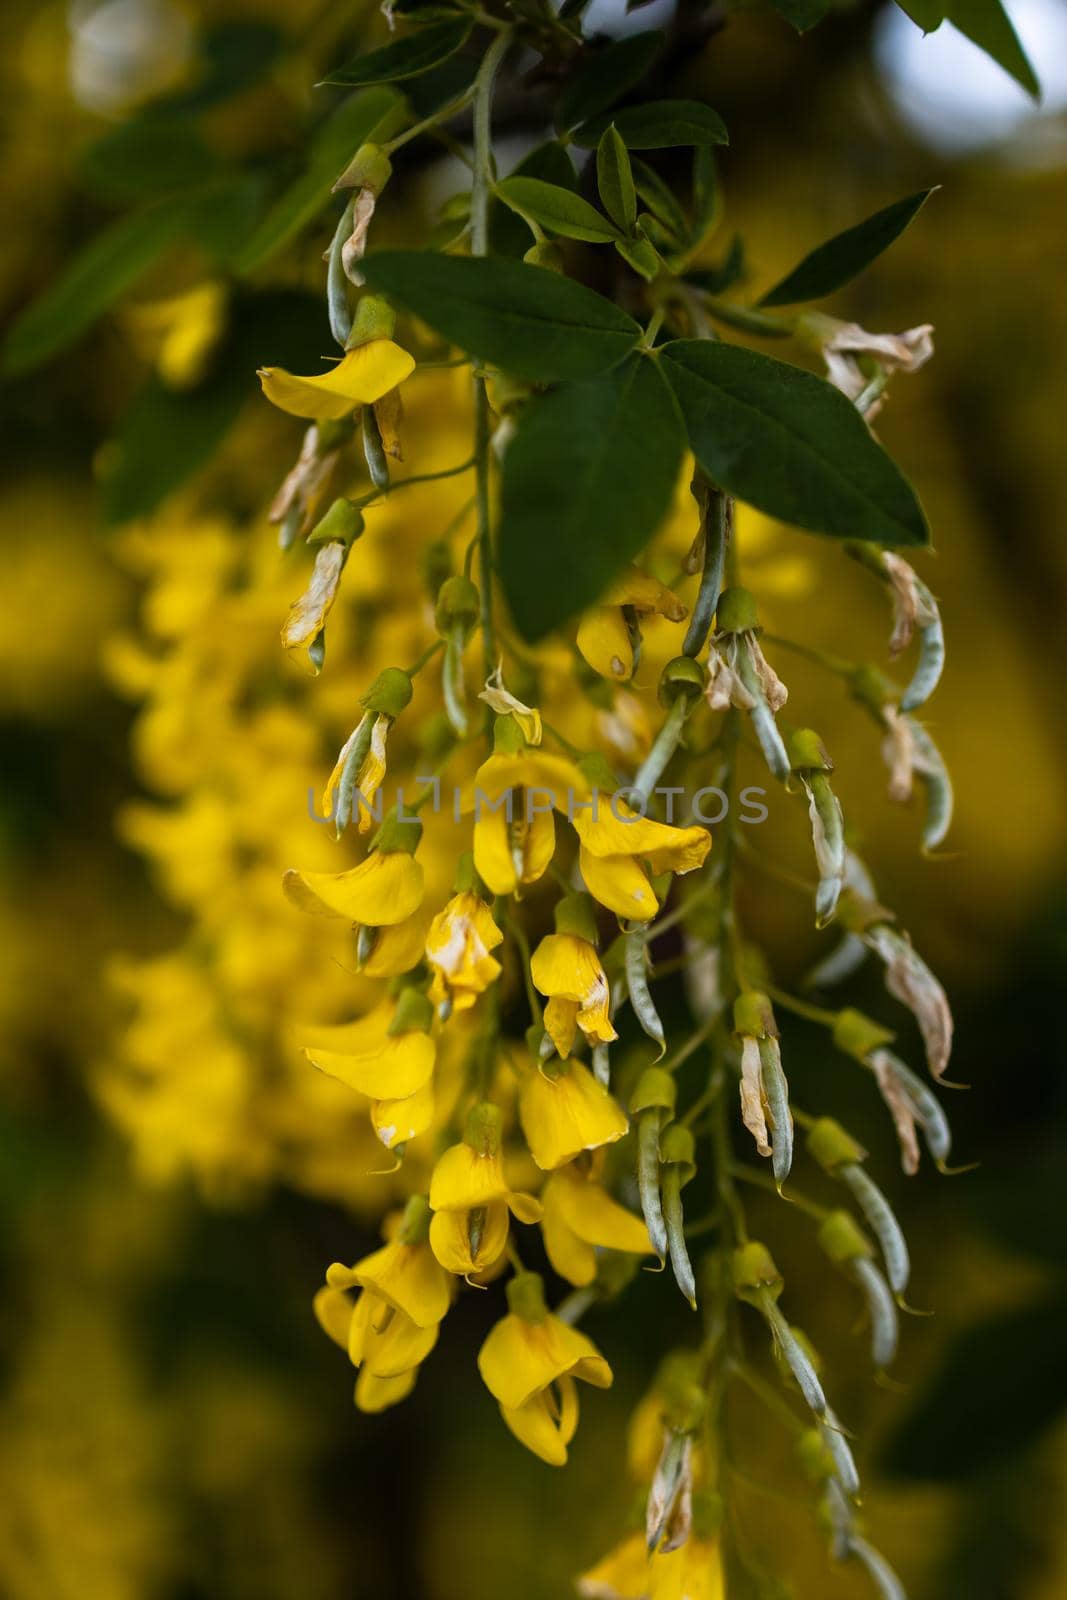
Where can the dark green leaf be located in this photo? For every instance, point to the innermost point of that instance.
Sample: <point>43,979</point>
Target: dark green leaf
<point>640,254</point>
<point>441,85</point>
<point>352,124</point>
<point>559,210</point>
<point>659,198</point>
<point>987,24</point>
<point>95,279</point>
<point>148,157</point>
<point>790,444</point>
<point>615,180</point>
<point>508,234</point>
<point>587,479</point>
<point>847,254</point>
<point>604,75</point>
<point>927,14</point>
<point>1001,1385</point>
<point>223,215</point>
<point>407,57</point>
<point>802,14</point>
<point>527,320</point>
<point>659,125</point>
<point>168,434</point>
<point>707,197</point>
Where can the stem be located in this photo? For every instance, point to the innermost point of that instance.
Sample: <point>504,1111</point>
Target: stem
<point>718,517</point>
<point>480,190</point>
<point>416,477</point>
<point>662,751</point>
<point>821,658</point>
<point>443,115</point>
<point>801,1008</point>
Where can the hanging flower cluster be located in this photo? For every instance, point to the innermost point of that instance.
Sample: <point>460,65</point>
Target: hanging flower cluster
<point>453,960</point>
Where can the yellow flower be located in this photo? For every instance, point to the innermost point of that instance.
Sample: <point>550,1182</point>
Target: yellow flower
<point>180,332</point>
<point>388,1054</point>
<point>362,376</point>
<point>457,948</point>
<point>579,1218</point>
<point>470,1198</point>
<point>614,843</point>
<point>396,949</point>
<point>566,967</point>
<point>692,1572</point>
<point>392,1326</point>
<point>529,1364</point>
<point>604,633</point>
<point>512,797</point>
<point>563,1115</point>
<point>381,892</point>
<point>397,1122</point>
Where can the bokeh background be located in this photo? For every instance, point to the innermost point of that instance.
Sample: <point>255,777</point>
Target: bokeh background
<point>173,1426</point>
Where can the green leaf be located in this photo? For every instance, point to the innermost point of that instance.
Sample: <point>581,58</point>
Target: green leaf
<point>109,265</point>
<point>987,24</point>
<point>167,434</point>
<point>660,125</point>
<point>926,14</point>
<point>732,268</point>
<point>1000,1387</point>
<point>148,157</point>
<point>615,180</point>
<point>233,57</point>
<point>352,124</point>
<point>525,319</point>
<point>846,255</point>
<point>407,57</point>
<point>640,254</point>
<point>659,199</point>
<point>587,479</point>
<point>790,444</point>
<point>604,75</point>
<point>559,210</point>
<point>802,14</point>
<point>508,233</point>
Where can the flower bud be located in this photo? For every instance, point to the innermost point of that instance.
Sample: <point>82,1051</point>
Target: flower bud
<point>832,1146</point>
<point>842,1239</point>
<point>754,1273</point>
<point>655,1089</point>
<point>858,1035</point>
<point>807,753</point>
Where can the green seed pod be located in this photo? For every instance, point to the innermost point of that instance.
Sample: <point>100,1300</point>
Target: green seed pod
<point>374,450</point>
<point>882,1223</point>
<point>638,988</point>
<point>649,1123</point>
